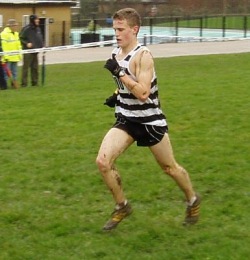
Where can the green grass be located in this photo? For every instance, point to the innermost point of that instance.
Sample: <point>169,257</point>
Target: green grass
<point>53,202</point>
<point>231,22</point>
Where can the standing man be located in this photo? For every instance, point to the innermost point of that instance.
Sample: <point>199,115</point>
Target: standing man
<point>138,118</point>
<point>31,38</point>
<point>11,42</point>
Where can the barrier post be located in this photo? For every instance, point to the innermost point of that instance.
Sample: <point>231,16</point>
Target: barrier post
<point>63,32</point>
<point>145,39</point>
<point>245,26</point>
<point>176,28</point>
<point>223,26</point>
<point>201,28</point>
<point>151,29</point>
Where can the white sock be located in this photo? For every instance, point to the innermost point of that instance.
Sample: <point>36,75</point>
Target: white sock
<point>117,207</point>
<point>191,202</point>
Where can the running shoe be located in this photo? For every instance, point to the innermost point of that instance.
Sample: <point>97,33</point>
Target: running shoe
<point>192,212</point>
<point>117,216</point>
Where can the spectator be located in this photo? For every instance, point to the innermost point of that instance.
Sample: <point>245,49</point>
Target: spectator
<point>3,84</point>
<point>31,38</point>
<point>11,42</point>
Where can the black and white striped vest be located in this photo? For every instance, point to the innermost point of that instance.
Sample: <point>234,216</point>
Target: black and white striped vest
<point>131,108</point>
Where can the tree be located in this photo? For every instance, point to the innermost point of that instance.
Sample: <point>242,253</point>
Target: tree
<point>89,8</point>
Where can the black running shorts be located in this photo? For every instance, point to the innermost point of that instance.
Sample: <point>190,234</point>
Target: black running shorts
<point>144,135</point>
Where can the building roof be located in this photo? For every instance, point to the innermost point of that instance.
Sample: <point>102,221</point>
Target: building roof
<point>71,3</point>
<point>36,1</point>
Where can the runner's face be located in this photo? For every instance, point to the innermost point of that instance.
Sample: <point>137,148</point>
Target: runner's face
<point>124,33</point>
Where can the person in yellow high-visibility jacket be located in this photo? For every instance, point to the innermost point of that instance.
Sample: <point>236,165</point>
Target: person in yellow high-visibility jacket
<point>11,42</point>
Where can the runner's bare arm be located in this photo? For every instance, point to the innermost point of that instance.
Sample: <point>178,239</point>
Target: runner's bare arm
<point>144,73</point>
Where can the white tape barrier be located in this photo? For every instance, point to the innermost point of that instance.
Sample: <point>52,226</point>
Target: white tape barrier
<point>59,48</point>
<point>113,42</point>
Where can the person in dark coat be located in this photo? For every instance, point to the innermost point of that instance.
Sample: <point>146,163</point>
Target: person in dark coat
<point>31,38</point>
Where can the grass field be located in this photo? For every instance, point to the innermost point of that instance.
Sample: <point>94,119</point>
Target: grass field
<point>53,202</point>
<point>231,22</point>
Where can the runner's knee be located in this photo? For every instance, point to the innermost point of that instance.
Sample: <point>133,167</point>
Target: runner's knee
<point>103,164</point>
<point>171,170</point>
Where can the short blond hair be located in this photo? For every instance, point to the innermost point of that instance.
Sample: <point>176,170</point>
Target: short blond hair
<point>129,14</point>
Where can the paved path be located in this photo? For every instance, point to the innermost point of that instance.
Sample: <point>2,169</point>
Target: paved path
<point>158,50</point>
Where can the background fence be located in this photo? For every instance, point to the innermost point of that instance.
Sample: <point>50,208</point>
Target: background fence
<point>169,29</point>
<point>154,29</point>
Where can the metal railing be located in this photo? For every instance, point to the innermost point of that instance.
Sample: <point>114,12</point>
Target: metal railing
<point>174,29</point>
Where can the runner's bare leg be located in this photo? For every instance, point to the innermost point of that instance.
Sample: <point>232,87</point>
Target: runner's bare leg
<point>163,153</point>
<point>114,144</point>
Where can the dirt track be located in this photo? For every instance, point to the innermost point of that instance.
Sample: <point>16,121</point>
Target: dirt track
<point>158,50</point>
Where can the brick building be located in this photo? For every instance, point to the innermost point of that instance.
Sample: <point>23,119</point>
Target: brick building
<point>55,17</point>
